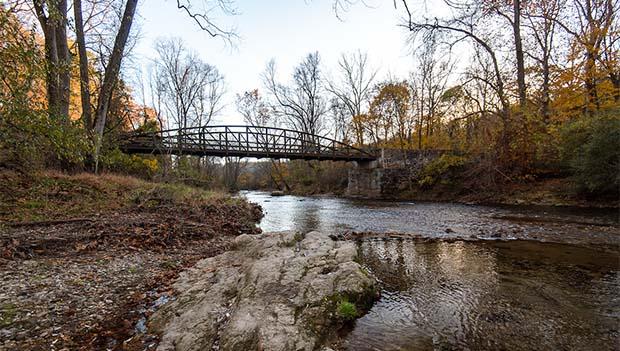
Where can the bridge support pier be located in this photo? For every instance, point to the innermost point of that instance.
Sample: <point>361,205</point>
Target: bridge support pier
<point>365,180</point>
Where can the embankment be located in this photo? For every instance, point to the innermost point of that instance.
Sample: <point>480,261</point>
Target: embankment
<point>83,256</point>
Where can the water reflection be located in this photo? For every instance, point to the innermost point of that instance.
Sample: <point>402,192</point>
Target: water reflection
<point>435,219</point>
<point>488,296</point>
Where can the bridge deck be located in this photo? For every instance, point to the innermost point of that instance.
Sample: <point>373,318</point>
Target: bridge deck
<point>243,141</point>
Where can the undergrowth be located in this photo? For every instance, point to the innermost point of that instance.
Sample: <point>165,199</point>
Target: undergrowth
<point>52,195</point>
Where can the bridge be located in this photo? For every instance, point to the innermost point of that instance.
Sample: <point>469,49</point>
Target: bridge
<point>243,141</point>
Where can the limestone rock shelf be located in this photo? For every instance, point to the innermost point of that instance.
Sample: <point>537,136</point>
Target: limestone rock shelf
<point>274,291</point>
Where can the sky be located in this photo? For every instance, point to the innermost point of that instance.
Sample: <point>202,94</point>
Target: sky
<point>284,30</point>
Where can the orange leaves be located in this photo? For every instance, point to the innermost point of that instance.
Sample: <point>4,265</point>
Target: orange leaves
<point>389,115</point>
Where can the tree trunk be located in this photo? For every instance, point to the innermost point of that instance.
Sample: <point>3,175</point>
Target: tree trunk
<point>546,99</point>
<point>516,26</point>
<point>64,62</point>
<point>111,74</point>
<point>87,115</point>
<point>53,19</point>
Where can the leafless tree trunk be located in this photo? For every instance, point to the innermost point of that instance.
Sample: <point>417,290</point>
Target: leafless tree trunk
<point>111,74</point>
<point>52,15</point>
<point>541,23</point>
<point>516,29</point>
<point>232,170</point>
<point>83,57</point>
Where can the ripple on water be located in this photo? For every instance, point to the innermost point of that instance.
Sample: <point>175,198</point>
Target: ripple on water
<point>489,296</point>
<point>329,214</point>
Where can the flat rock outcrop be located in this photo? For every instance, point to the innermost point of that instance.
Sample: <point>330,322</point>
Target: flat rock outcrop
<point>274,291</point>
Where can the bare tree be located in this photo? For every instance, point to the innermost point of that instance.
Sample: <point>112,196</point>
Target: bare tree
<point>511,12</point>
<point>352,89</point>
<point>428,84</point>
<point>254,109</point>
<point>87,115</point>
<point>541,24</point>
<point>256,112</point>
<point>191,89</point>
<point>302,103</point>
<point>233,167</point>
<point>111,74</point>
<point>342,121</point>
<point>465,25</point>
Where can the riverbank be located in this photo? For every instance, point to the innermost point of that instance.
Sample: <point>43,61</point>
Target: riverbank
<point>84,257</point>
<point>557,192</point>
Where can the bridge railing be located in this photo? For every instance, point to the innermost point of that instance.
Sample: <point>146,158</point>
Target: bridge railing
<point>249,140</point>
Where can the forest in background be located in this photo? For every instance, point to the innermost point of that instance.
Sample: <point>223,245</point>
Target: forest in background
<point>518,90</point>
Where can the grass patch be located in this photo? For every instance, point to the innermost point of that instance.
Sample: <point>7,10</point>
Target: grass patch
<point>346,310</point>
<point>52,195</point>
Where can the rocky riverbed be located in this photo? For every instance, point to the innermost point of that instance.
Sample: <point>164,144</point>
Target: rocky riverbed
<point>275,291</point>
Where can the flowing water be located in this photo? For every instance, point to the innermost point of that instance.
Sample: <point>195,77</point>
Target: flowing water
<point>478,295</point>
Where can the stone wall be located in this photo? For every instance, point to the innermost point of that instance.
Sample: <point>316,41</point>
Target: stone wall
<point>364,182</point>
<point>390,175</point>
<point>415,159</point>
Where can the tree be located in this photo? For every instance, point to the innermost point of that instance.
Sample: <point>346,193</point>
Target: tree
<point>541,17</point>
<point>255,111</point>
<point>510,11</point>
<point>390,109</point>
<point>597,35</point>
<point>352,89</point>
<point>428,85</point>
<point>191,89</point>
<point>302,103</point>
<point>233,167</point>
<point>465,25</point>
<point>342,122</point>
<point>52,15</point>
<point>87,117</point>
<point>111,75</point>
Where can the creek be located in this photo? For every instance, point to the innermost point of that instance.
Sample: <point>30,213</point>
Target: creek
<point>556,290</point>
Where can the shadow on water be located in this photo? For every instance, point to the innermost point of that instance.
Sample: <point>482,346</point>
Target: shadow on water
<point>489,296</point>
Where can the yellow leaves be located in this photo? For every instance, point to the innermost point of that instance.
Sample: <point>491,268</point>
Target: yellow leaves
<point>392,102</point>
<point>152,165</point>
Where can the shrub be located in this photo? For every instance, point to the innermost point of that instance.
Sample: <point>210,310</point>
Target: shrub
<point>116,161</point>
<point>590,150</point>
<point>31,140</point>
<point>442,169</point>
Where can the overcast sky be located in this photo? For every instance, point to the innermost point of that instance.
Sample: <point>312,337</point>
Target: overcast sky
<point>285,30</point>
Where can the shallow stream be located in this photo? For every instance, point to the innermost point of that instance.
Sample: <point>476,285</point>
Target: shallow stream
<point>545,293</point>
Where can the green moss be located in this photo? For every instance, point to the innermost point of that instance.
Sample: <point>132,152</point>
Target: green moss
<point>346,310</point>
